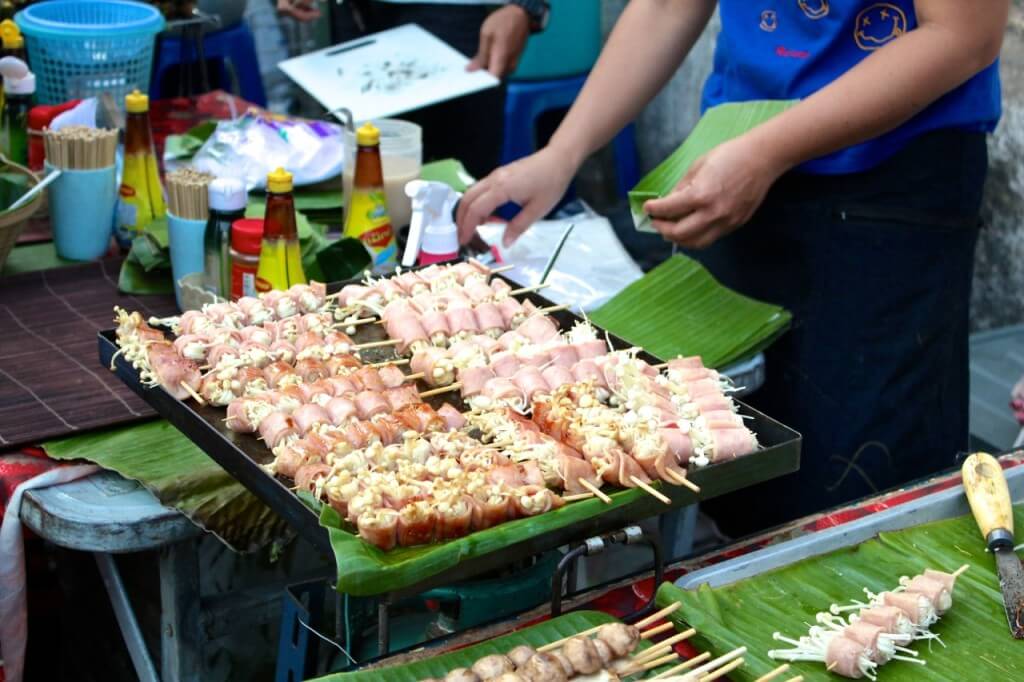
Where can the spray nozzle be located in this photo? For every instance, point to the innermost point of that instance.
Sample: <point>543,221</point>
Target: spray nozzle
<point>18,80</point>
<point>432,227</point>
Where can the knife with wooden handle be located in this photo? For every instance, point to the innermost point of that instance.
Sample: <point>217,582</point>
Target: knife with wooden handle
<point>989,497</point>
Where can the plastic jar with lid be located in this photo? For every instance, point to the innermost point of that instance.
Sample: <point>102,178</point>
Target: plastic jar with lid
<point>246,239</point>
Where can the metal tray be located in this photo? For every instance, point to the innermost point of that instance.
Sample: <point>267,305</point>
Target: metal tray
<point>242,455</point>
<point>945,504</point>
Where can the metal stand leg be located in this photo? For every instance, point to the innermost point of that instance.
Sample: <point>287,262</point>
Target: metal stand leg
<point>383,626</point>
<point>180,634</point>
<point>141,659</point>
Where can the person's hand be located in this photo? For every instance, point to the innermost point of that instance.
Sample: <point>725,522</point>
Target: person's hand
<point>301,10</point>
<point>535,182</point>
<point>502,40</point>
<point>719,193</point>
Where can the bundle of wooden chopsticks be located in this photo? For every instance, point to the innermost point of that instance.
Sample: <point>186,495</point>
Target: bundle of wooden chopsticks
<point>188,193</point>
<point>80,147</point>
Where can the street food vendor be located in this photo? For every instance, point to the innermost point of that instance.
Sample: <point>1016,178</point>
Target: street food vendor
<point>857,209</point>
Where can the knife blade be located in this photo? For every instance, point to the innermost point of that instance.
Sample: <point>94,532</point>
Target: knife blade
<point>989,498</point>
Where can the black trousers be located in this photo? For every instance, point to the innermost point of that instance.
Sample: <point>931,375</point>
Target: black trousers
<point>876,268</point>
<point>468,128</point>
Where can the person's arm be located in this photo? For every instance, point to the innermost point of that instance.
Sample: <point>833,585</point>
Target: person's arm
<point>649,42</point>
<point>953,41</point>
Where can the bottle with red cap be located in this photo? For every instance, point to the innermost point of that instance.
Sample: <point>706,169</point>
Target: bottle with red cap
<point>246,240</point>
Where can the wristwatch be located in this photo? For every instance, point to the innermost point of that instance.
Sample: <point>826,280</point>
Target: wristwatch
<point>539,11</point>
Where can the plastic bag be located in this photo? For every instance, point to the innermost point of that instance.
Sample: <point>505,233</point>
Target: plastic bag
<point>592,267</point>
<point>251,146</point>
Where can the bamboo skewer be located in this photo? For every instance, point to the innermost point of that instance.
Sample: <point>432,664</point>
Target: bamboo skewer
<point>649,490</point>
<point>656,630</point>
<point>685,665</point>
<point>683,481</point>
<point>651,665</point>
<point>377,344</point>
<point>501,268</point>
<point>658,615</point>
<point>662,647</point>
<point>414,377</point>
<point>443,389</point>
<point>798,678</point>
<point>554,308</point>
<point>577,497</point>
<point>192,392</point>
<point>960,571</point>
<point>551,646</point>
<point>773,674</point>
<point>594,489</point>
<point>717,662</point>
<point>724,670</point>
<point>528,290</point>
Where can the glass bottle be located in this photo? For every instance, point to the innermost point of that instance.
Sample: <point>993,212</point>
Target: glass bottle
<point>227,204</point>
<point>366,215</point>
<point>280,253</point>
<point>141,194</point>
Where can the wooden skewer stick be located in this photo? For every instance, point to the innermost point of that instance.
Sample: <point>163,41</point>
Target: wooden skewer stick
<point>554,308</point>
<point>501,268</point>
<point>651,665</point>
<point>593,488</point>
<point>396,362</point>
<point>414,377</point>
<point>192,392</point>
<point>649,490</point>
<point>724,670</point>
<point>773,674</point>
<point>356,323</point>
<point>831,666</point>
<point>377,344</point>
<point>443,389</point>
<point>528,290</point>
<point>798,678</point>
<point>682,667</point>
<point>551,646</point>
<point>960,571</point>
<point>656,630</point>
<point>663,647</point>
<point>658,615</point>
<point>683,481</point>
<point>717,662</point>
<point>577,497</point>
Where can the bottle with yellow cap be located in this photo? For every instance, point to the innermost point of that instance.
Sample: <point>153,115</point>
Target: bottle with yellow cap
<point>141,195</point>
<point>366,210</point>
<point>12,40</point>
<point>280,254</point>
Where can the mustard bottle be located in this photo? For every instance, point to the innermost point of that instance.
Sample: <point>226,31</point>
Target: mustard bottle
<point>366,212</point>
<point>141,195</point>
<point>280,253</point>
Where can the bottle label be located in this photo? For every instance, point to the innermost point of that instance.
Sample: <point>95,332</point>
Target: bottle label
<point>368,221</point>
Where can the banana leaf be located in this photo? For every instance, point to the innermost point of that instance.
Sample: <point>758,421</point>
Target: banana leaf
<point>717,125</point>
<point>679,308</point>
<point>365,570</point>
<point>439,666</point>
<point>180,475</point>
<point>977,640</point>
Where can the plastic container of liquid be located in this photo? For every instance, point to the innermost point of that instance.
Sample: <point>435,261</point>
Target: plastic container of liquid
<point>366,214</point>
<point>280,251</point>
<point>227,204</point>
<point>141,194</point>
<point>19,89</point>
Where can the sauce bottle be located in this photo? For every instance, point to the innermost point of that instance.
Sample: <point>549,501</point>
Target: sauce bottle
<point>19,88</point>
<point>280,252</point>
<point>141,195</point>
<point>12,40</point>
<point>366,213</point>
<point>227,204</point>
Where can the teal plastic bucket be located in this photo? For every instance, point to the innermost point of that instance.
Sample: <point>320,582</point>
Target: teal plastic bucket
<point>567,47</point>
<point>81,48</point>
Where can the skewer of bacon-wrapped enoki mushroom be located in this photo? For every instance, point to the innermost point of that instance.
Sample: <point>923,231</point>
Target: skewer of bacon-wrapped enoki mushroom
<point>879,631</point>
<point>250,310</point>
<point>154,356</point>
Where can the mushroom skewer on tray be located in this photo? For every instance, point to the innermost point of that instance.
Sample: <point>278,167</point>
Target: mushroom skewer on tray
<point>251,310</point>
<point>882,626</point>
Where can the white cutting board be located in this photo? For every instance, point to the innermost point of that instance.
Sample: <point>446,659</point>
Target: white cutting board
<point>386,74</point>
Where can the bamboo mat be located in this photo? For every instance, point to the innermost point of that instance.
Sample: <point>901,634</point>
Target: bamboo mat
<point>51,380</point>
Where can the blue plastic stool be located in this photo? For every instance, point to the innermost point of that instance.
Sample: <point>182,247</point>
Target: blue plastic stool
<point>527,100</point>
<point>232,45</point>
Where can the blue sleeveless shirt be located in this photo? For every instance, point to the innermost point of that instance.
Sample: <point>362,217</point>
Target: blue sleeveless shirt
<point>788,49</point>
